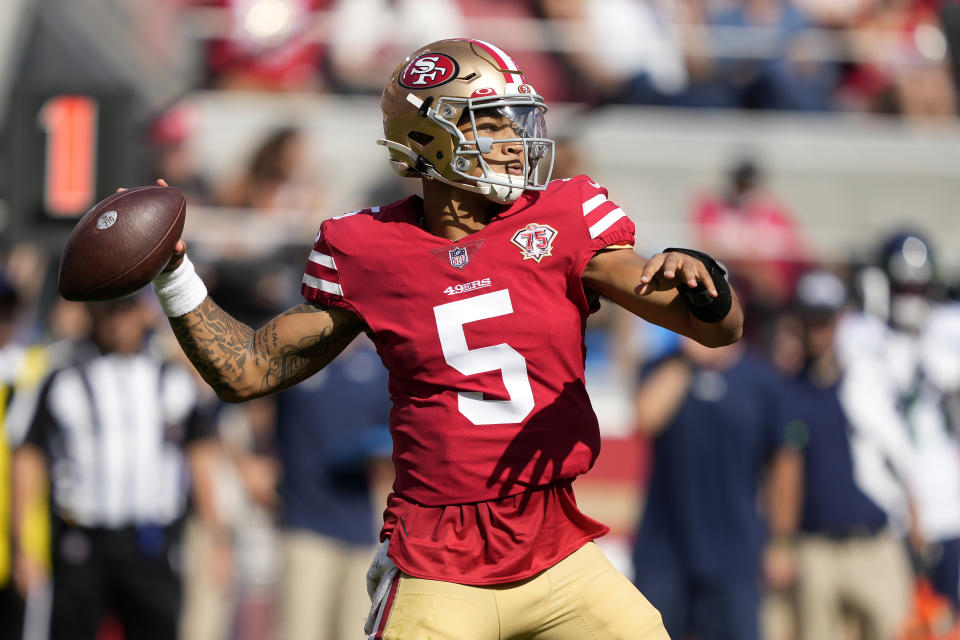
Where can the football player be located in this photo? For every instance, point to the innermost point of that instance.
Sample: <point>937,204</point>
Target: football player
<point>476,295</point>
<point>902,356</point>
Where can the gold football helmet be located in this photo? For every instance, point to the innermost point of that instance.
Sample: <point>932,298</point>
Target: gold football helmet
<point>443,85</point>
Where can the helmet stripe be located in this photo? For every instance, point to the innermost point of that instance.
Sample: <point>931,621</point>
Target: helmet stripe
<point>502,59</point>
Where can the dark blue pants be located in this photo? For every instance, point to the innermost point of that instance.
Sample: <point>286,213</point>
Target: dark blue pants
<point>710,610</point>
<point>945,574</point>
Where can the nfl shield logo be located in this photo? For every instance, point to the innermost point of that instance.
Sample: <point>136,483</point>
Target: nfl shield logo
<point>458,257</point>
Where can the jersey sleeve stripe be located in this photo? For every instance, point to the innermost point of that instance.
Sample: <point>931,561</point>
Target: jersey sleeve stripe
<point>319,271</point>
<point>323,260</point>
<point>322,285</point>
<point>606,222</point>
<point>593,203</point>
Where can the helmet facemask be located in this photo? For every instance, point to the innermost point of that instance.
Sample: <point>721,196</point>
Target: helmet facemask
<point>525,114</point>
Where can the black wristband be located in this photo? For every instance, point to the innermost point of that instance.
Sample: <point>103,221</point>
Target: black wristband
<point>698,300</point>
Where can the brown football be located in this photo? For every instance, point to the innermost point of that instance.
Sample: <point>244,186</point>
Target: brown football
<point>122,243</point>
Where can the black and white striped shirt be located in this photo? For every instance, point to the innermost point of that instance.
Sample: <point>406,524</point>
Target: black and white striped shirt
<point>115,429</point>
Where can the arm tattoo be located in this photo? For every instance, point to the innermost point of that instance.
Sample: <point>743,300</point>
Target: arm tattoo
<point>303,307</point>
<point>222,348</point>
<point>292,361</point>
<point>216,343</point>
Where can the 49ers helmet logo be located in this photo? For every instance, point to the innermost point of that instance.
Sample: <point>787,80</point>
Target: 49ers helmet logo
<point>429,70</point>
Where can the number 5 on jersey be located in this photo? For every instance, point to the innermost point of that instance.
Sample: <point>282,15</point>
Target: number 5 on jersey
<point>512,366</point>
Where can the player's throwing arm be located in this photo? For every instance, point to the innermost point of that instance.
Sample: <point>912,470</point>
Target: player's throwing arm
<point>125,241</point>
<point>241,363</point>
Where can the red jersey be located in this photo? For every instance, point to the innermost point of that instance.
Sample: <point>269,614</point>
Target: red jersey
<point>483,340</point>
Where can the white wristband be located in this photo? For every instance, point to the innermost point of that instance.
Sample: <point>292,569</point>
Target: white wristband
<point>180,291</point>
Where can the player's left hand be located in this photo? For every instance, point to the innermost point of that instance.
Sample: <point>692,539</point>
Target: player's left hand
<point>665,271</point>
<point>379,578</point>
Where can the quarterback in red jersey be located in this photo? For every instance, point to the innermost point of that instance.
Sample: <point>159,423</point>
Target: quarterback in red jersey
<point>476,295</point>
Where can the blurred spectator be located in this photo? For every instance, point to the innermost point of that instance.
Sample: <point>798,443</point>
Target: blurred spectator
<point>775,70</point>
<point>330,429</point>
<point>624,51</point>
<point>173,158</point>
<point>210,557</point>
<point>836,14</point>
<point>249,488</point>
<point>272,46</point>
<point>904,66</point>
<point>715,415</point>
<point>21,370</point>
<point>903,365</point>
<point>281,192</point>
<point>26,265</point>
<point>114,431</point>
<point>368,37</point>
<point>847,558</point>
<point>754,233</point>
<point>279,180</point>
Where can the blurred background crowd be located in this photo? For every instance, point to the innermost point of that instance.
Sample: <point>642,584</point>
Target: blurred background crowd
<point>804,483</point>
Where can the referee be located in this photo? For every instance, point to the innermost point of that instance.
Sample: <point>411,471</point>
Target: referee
<point>114,431</point>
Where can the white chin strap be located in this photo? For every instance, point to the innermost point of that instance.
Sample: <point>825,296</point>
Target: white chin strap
<point>500,193</point>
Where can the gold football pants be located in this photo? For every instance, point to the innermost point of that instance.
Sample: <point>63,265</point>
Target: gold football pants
<point>582,597</point>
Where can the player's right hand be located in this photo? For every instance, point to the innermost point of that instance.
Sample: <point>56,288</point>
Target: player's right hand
<point>178,252</point>
<point>181,248</point>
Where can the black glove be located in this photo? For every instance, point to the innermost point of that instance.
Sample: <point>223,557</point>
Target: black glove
<point>698,300</point>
